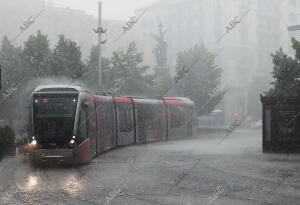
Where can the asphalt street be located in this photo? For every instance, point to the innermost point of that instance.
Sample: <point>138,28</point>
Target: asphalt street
<point>182,172</point>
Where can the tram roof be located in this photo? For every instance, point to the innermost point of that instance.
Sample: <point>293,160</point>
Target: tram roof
<point>61,88</point>
<point>175,100</point>
<point>80,88</point>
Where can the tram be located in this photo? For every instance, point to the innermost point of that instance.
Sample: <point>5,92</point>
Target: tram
<point>72,125</point>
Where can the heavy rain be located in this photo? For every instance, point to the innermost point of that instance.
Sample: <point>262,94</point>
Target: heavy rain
<point>168,102</point>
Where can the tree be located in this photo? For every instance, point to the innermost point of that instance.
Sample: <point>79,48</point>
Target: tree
<point>12,74</point>
<point>160,51</point>
<point>162,75</point>
<point>21,67</point>
<point>66,59</point>
<point>198,78</point>
<point>127,66</point>
<point>37,56</point>
<point>11,62</point>
<point>285,72</point>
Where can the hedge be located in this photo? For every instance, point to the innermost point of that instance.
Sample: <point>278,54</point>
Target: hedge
<point>7,139</point>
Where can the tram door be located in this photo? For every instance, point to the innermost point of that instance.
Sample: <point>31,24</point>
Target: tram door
<point>125,123</point>
<point>91,126</point>
<point>106,124</point>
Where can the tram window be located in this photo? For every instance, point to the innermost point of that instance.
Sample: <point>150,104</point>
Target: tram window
<point>125,118</point>
<point>107,119</point>
<point>82,131</point>
<point>177,116</point>
<point>149,116</point>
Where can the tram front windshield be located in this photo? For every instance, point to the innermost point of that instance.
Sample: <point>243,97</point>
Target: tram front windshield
<point>54,118</point>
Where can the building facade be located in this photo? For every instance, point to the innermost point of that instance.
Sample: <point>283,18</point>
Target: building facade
<point>53,21</point>
<point>244,53</point>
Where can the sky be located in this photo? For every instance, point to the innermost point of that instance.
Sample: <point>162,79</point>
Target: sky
<point>111,9</point>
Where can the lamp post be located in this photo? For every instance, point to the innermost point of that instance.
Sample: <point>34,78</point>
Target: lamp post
<point>99,30</point>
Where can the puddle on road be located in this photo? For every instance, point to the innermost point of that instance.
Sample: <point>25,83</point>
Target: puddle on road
<point>47,183</point>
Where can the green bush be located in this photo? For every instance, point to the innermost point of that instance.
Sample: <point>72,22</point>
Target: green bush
<point>7,139</point>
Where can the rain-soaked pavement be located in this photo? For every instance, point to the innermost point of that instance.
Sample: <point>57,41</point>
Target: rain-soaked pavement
<point>193,171</point>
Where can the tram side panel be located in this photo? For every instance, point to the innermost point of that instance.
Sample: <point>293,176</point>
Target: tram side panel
<point>150,121</point>
<point>106,123</point>
<point>125,121</point>
<point>83,140</point>
<point>158,130</point>
<point>140,124</point>
<point>92,131</point>
<point>178,127</point>
<point>191,121</point>
<point>186,120</point>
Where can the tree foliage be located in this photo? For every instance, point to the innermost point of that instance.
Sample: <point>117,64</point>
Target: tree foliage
<point>125,67</point>
<point>11,74</point>
<point>11,62</point>
<point>163,79</point>
<point>66,59</point>
<point>37,55</point>
<point>128,65</point>
<point>35,59</point>
<point>160,51</point>
<point>201,80</point>
<point>285,72</point>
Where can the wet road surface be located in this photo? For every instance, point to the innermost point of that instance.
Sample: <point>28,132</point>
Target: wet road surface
<point>183,172</point>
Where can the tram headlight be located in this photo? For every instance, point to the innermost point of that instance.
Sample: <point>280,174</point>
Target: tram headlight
<point>72,142</point>
<point>33,142</point>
